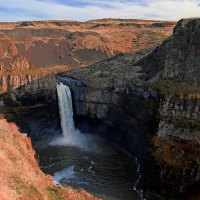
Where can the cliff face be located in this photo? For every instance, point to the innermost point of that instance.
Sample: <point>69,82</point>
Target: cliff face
<point>28,89</point>
<point>177,58</point>
<point>182,51</point>
<point>112,93</point>
<point>176,147</point>
<point>100,85</point>
<point>157,98</point>
<point>180,119</point>
<point>177,79</point>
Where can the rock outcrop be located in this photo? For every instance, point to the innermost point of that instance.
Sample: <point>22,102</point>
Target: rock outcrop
<point>177,58</point>
<point>28,89</point>
<point>177,80</point>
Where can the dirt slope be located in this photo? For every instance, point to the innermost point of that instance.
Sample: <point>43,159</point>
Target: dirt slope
<point>47,43</point>
<point>21,177</point>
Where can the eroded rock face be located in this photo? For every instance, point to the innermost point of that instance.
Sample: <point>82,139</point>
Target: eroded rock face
<point>8,48</point>
<point>28,89</point>
<point>162,88</point>
<point>181,107</point>
<point>180,119</point>
<point>116,98</point>
<point>21,177</point>
<point>177,80</point>
<point>177,58</point>
<point>94,97</point>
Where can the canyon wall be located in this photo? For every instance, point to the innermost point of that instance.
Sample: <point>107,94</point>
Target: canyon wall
<point>112,101</point>
<point>176,59</point>
<point>176,78</point>
<point>156,96</point>
<point>28,89</point>
<point>176,144</point>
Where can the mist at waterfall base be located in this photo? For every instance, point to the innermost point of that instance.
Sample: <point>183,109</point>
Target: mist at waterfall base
<point>70,135</point>
<point>86,161</point>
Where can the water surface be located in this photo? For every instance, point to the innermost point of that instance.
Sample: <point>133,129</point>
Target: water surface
<point>108,172</point>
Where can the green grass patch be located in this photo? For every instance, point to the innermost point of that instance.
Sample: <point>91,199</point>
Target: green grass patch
<point>18,184</point>
<point>54,194</point>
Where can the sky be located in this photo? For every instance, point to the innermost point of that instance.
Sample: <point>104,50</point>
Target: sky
<point>83,10</point>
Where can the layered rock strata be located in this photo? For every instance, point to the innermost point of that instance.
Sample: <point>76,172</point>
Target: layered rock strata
<point>167,83</point>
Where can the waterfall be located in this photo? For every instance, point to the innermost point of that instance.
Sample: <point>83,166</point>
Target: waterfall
<point>66,111</point>
<point>70,135</point>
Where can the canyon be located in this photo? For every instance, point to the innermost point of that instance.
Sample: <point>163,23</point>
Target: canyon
<point>142,95</point>
<point>152,100</point>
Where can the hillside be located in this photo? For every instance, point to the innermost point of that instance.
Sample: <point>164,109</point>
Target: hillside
<point>74,43</point>
<point>32,52</point>
<point>21,177</point>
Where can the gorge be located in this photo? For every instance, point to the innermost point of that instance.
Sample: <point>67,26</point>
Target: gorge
<point>143,102</point>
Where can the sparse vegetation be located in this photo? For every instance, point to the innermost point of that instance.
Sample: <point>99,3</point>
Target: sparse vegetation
<point>175,154</point>
<point>54,194</point>
<point>18,184</point>
<point>32,191</point>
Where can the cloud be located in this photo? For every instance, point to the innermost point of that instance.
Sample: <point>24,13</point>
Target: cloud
<point>82,10</point>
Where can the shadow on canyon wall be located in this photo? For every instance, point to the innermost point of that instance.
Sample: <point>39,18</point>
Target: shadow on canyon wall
<point>32,105</point>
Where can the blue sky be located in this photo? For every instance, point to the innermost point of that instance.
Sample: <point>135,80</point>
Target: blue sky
<point>82,10</point>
